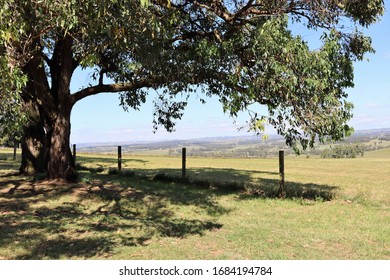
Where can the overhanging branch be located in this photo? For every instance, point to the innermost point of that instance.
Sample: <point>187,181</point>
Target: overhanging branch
<point>113,88</point>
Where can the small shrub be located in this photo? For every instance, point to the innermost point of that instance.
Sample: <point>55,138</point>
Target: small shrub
<point>344,151</point>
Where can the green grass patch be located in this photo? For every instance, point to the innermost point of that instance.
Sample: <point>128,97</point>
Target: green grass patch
<point>223,209</point>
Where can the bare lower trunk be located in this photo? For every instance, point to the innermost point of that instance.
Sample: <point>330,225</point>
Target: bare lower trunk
<point>60,160</point>
<point>33,150</point>
<point>34,142</point>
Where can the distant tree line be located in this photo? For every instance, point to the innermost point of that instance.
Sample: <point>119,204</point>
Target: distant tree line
<point>344,151</point>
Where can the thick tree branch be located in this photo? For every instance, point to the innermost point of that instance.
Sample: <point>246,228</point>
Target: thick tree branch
<point>66,67</point>
<point>45,58</point>
<point>113,88</point>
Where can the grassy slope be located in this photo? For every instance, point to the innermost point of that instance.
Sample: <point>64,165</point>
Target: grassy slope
<point>382,153</point>
<point>116,217</point>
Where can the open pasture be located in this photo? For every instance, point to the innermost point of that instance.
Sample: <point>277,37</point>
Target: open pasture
<point>334,209</point>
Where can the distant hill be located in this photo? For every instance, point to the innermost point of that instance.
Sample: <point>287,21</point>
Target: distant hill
<point>247,146</point>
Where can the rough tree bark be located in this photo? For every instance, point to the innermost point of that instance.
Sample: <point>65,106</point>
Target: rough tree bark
<point>33,149</point>
<point>46,146</point>
<point>33,143</point>
<point>58,107</point>
<point>60,163</point>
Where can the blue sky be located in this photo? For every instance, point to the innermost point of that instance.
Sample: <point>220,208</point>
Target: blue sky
<point>100,119</point>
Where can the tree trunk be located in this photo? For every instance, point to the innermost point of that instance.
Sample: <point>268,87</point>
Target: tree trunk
<point>33,142</point>
<point>49,104</point>
<point>60,160</point>
<point>33,149</point>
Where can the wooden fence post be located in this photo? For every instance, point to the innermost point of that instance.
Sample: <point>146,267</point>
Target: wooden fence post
<point>183,160</point>
<point>15,147</point>
<point>119,158</point>
<point>281,173</point>
<point>74,154</point>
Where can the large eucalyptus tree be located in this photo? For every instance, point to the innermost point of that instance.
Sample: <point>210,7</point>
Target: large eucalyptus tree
<point>239,50</point>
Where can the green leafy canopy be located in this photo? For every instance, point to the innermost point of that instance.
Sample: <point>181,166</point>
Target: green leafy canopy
<point>241,51</point>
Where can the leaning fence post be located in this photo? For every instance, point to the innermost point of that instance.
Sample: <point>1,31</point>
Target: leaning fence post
<point>183,165</point>
<point>281,173</point>
<point>119,158</point>
<point>74,154</point>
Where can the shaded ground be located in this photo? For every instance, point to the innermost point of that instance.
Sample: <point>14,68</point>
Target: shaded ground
<point>103,213</point>
<point>52,220</point>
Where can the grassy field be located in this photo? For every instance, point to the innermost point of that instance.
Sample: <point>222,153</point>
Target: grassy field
<point>226,209</point>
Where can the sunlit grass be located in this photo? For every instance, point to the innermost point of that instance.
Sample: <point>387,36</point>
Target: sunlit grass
<point>138,217</point>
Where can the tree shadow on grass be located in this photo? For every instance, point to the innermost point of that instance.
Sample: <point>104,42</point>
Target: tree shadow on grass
<point>62,247</point>
<point>269,188</point>
<point>248,184</point>
<point>52,220</point>
<point>49,220</point>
